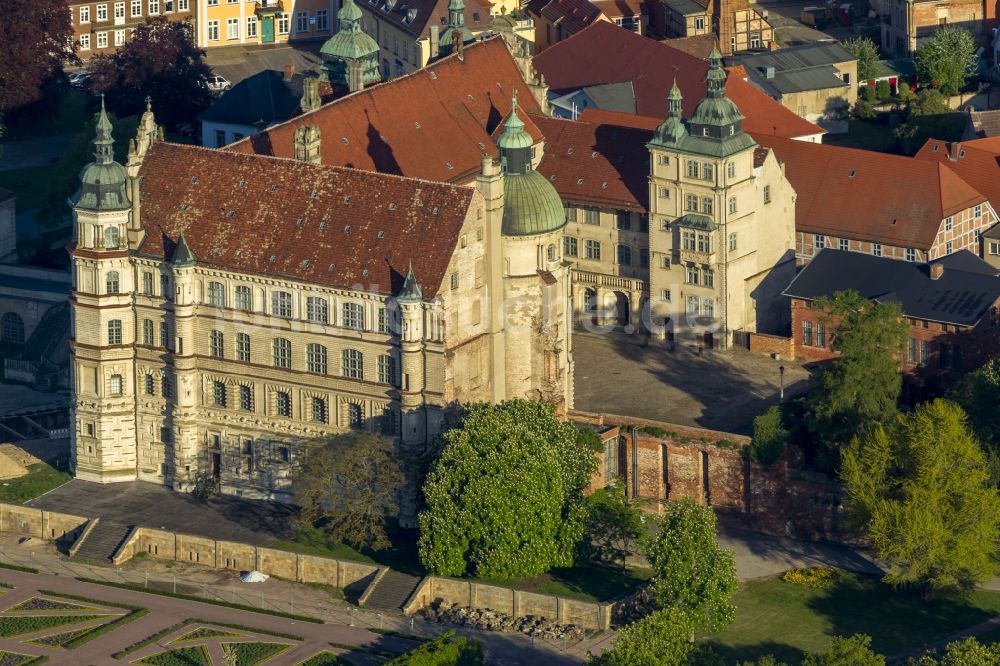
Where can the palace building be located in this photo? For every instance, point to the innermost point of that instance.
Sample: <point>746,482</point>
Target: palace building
<point>229,307</point>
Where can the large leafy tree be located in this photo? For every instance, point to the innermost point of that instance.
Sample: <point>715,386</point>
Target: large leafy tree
<point>161,62</point>
<point>853,651</point>
<point>947,59</point>
<point>979,395</point>
<point>505,496</point>
<point>920,487</point>
<point>865,50</point>
<point>37,41</point>
<point>968,652</point>
<point>662,638</point>
<point>861,386</point>
<point>64,177</point>
<point>349,486</point>
<point>691,573</point>
<point>614,523</point>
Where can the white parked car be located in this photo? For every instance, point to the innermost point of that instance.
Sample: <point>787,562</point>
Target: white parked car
<point>218,83</point>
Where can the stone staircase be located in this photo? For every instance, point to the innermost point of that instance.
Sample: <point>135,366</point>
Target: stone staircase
<point>390,591</point>
<point>100,543</point>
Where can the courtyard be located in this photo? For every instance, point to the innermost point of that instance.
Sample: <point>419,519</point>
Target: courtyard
<point>626,375</point>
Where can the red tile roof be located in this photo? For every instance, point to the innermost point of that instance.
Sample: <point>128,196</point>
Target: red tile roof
<point>604,53</point>
<point>870,196</point>
<point>698,46</point>
<point>619,8</point>
<point>434,123</point>
<point>596,164</point>
<point>428,13</point>
<point>572,15</point>
<point>312,223</point>
<point>978,163</point>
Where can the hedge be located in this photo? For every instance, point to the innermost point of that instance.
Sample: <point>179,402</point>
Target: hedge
<point>18,567</point>
<point>176,627</point>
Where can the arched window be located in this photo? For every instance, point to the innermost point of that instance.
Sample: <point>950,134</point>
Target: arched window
<point>316,358</point>
<point>352,364</point>
<point>13,328</point>
<point>111,237</point>
<point>217,294</point>
<point>113,282</point>
<point>282,353</point>
<point>318,310</point>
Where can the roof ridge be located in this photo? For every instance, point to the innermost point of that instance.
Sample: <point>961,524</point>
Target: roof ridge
<point>327,167</point>
<point>422,71</point>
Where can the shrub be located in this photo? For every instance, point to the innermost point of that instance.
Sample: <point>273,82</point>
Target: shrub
<point>445,650</point>
<point>883,91</point>
<point>769,437</point>
<point>867,93</point>
<point>818,577</point>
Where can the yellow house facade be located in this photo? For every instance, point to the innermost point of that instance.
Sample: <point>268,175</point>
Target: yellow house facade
<point>229,22</point>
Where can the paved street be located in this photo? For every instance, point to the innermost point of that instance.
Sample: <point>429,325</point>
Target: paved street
<point>617,374</point>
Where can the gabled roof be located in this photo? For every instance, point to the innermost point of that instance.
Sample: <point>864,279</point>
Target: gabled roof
<point>572,15</point>
<point>985,123</point>
<point>434,123</point>
<point>604,53</point>
<point>619,8</point>
<point>977,163</point>
<point>698,46</point>
<point>870,196</point>
<point>966,290</point>
<point>262,99</point>
<point>323,225</point>
<point>426,13</point>
<point>596,164</point>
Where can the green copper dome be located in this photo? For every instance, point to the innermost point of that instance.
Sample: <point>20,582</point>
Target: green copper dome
<point>456,24</point>
<point>531,205</point>
<point>714,129</point>
<point>514,134</point>
<point>103,182</point>
<point>350,43</point>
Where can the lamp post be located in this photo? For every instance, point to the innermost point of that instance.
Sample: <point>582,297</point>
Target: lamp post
<point>781,391</point>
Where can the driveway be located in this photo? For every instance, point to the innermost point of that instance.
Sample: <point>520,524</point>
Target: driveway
<point>621,374</point>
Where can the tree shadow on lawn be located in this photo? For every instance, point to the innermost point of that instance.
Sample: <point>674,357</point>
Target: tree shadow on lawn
<point>734,654</point>
<point>898,620</point>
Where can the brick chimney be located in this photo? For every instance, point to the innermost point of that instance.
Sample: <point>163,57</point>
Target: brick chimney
<point>937,270</point>
<point>289,71</point>
<point>956,148</point>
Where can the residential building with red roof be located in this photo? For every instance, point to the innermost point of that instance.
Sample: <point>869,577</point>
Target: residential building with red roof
<point>556,20</point>
<point>880,204</point>
<point>601,55</point>
<point>978,163</point>
<point>738,26</point>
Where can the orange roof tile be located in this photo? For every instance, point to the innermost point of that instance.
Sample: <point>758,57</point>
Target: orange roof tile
<point>434,123</point>
<point>604,53</point>
<point>978,163</point>
<point>870,196</point>
<point>596,164</point>
<point>698,46</point>
<point>323,225</point>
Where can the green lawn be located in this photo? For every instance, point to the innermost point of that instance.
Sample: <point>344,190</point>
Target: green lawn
<point>40,479</point>
<point>787,620</point>
<point>587,583</point>
<point>31,185</point>
<point>15,626</point>
<point>70,117</point>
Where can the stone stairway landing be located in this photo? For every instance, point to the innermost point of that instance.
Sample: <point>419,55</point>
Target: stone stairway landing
<point>101,543</point>
<point>392,591</point>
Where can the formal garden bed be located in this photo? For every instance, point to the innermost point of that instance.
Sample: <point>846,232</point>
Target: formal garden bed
<point>250,653</point>
<point>326,658</point>
<point>195,655</point>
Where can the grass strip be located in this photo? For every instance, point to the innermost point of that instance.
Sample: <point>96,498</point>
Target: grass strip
<point>18,567</point>
<point>90,600</point>
<point>213,602</point>
<point>180,625</point>
<point>102,629</point>
<point>149,640</point>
